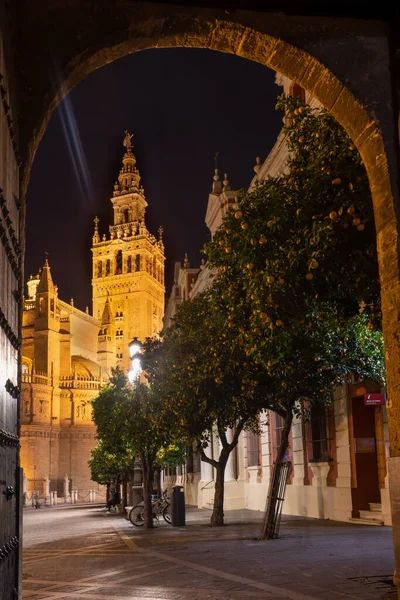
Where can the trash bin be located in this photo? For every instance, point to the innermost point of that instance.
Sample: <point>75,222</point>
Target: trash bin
<point>178,506</point>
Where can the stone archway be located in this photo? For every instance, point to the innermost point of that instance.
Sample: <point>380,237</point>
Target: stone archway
<point>339,61</point>
<point>246,35</point>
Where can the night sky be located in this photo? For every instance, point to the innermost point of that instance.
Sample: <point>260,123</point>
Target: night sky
<point>182,106</point>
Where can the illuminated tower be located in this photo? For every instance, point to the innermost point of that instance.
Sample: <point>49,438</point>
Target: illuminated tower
<point>128,269</point>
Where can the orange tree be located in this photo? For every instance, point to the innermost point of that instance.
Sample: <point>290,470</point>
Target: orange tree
<point>304,237</point>
<point>108,465</point>
<point>112,459</point>
<point>134,421</point>
<point>217,380</point>
<point>296,265</point>
<point>155,432</point>
<point>210,383</point>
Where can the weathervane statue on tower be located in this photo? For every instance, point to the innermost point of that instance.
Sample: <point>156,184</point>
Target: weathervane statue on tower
<point>127,140</point>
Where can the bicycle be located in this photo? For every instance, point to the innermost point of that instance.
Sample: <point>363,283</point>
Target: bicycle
<point>160,506</point>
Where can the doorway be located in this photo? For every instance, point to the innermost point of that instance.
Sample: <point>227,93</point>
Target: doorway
<point>365,480</point>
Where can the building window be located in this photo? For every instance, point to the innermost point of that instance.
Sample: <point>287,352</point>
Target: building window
<point>137,262</point>
<point>118,262</point>
<point>317,432</point>
<point>25,373</point>
<point>129,264</point>
<point>108,266</point>
<point>278,425</point>
<point>253,449</point>
<point>100,269</point>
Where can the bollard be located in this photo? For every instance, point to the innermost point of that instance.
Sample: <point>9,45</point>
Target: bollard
<point>178,506</point>
<point>90,496</point>
<point>66,488</point>
<point>94,495</point>
<point>55,498</point>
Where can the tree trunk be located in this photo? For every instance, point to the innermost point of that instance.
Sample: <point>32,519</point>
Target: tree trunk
<point>148,475</point>
<point>267,531</point>
<point>158,481</point>
<point>217,517</point>
<point>124,492</point>
<point>108,497</point>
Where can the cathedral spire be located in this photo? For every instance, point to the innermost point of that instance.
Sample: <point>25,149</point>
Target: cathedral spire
<point>96,236</point>
<point>129,177</point>
<point>107,318</point>
<point>226,183</point>
<point>217,185</point>
<point>46,281</point>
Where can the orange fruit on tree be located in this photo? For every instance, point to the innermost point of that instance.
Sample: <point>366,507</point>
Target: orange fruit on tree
<point>309,276</point>
<point>238,214</point>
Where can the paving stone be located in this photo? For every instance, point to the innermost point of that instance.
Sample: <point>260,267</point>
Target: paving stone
<point>79,554</point>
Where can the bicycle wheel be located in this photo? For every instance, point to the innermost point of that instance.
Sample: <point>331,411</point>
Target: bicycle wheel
<point>136,516</point>
<point>167,514</point>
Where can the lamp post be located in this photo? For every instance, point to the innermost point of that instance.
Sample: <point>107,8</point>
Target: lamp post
<point>135,351</point>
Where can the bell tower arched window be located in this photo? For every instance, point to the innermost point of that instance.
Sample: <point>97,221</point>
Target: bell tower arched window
<point>118,262</point>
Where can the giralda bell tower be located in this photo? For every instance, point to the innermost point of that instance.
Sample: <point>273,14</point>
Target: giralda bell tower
<point>128,270</point>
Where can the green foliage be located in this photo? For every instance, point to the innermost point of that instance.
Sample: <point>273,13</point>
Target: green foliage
<point>304,236</point>
<point>152,428</point>
<point>133,422</point>
<point>205,372</point>
<point>297,267</point>
<point>106,465</point>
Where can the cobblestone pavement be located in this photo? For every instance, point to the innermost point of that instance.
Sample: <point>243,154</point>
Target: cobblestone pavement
<point>79,553</point>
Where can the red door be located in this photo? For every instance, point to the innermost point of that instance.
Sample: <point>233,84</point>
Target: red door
<point>365,481</point>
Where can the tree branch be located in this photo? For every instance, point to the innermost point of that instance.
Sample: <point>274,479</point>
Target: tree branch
<point>206,458</point>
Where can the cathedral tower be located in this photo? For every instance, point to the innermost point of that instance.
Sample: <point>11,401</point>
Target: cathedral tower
<point>128,270</point>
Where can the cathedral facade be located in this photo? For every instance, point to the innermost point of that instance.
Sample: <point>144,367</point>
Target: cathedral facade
<point>68,354</point>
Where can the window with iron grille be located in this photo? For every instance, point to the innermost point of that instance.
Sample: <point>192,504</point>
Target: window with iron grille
<point>253,449</point>
<point>279,423</point>
<point>196,462</point>
<point>318,435</point>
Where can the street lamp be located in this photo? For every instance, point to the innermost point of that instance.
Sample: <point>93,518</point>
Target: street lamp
<point>135,351</point>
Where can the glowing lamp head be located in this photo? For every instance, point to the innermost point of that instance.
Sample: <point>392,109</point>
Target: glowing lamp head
<point>134,347</point>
